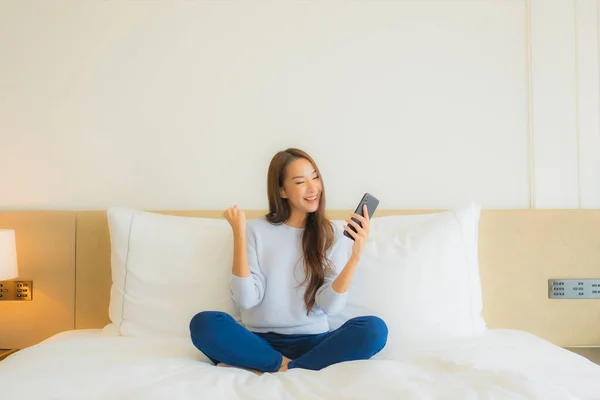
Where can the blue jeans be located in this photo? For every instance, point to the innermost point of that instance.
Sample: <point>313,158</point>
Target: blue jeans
<point>222,339</point>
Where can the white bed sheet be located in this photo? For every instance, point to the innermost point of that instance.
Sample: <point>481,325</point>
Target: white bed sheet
<point>501,364</point>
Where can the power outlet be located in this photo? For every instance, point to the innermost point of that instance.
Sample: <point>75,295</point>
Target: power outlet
<point>574,288</point>
<point>16,290</point>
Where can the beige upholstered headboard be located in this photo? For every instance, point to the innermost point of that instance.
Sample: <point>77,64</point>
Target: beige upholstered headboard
<point>46,255</point>
<point>519,251</point>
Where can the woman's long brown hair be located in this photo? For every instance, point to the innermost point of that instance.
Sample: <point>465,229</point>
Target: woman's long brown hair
<point>318,231</point>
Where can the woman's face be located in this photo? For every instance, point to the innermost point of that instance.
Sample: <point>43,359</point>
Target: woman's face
<point>302,186</point>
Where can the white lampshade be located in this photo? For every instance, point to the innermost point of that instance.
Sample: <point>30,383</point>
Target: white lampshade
<point>8,255</point>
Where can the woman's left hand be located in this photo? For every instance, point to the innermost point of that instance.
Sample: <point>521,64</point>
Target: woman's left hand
<point>362,233</point>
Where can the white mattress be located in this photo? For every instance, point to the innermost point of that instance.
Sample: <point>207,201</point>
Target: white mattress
<point>501,364</point>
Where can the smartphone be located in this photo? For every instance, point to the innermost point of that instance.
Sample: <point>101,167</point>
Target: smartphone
<point>372,202</point>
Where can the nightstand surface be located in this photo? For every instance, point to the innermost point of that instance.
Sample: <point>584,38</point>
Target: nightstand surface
<point>6,352</point>
<point>591,353</point>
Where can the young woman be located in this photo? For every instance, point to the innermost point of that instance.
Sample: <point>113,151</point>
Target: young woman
<point>291,269</point>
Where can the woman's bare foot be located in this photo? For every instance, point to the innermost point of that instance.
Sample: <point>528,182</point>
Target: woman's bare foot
<point>247,369</point>
<point>284,364</point>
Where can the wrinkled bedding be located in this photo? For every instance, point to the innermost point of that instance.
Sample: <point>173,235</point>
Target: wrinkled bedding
<point>500,364</point>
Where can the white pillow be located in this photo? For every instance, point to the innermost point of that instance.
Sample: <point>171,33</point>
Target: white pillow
<point>165,269</point>
<point>420,274</point>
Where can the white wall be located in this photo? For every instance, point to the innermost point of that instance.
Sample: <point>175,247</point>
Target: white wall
<point>178,104</point>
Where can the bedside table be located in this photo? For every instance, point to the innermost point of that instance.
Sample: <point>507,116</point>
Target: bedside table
<point>591,353</point>
<point>6,352</point>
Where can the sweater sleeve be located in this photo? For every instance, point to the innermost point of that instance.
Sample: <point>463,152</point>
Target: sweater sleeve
<point>247,292</point>
<point>326,298</point>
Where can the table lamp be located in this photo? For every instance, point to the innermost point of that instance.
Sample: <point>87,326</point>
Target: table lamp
<point>8,255</point>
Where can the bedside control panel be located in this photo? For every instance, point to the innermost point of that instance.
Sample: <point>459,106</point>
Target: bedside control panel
<point>574,288</point>
<point>16,290</point>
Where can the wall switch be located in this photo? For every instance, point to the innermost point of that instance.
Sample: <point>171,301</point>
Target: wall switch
<point>574,288</point>
<point>16,290</point>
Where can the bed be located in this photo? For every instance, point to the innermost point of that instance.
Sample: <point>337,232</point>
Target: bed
<point>500,364</point>
<point>446,340</point>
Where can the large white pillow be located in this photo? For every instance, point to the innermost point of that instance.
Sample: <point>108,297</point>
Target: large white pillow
<point>165,269</point>
<point>420,273</point>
